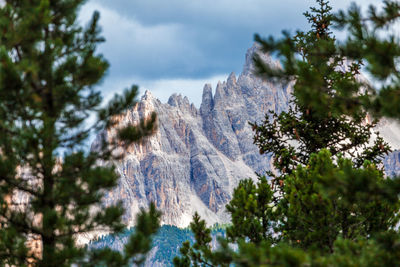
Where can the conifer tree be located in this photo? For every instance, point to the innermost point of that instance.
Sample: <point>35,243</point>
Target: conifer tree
<point>51,188</point>
<point>372,41</point>
<point>328,203</point>
<point>311,59</point>
<point>293,136</point>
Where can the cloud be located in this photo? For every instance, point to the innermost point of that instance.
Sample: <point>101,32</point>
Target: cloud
<point>169,50</point>
<point>150,51</point>
<point>196,39</point>
<point>176,39</point>
<point>222,14</point>
<point>215,13</point>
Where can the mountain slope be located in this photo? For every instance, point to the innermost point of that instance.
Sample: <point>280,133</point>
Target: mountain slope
<point>197,156</point>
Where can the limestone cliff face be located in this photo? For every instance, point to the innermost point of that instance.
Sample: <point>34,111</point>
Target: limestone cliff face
<point>197,156</point>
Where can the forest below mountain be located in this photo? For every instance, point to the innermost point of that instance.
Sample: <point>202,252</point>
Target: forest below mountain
<point>166,242</point>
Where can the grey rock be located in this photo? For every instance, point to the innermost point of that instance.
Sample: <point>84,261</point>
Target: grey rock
<point>197,156</point>
<point>392,164</point>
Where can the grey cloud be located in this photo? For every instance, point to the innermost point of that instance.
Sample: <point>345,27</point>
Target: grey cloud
<point>157,39</point>
<point>215,13</point>
<point>247,14</point>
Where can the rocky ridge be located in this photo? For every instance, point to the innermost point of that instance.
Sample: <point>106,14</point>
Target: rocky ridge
<point>198,155</point>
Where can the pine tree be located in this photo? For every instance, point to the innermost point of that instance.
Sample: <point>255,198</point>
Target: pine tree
<point>310,58</point>
<point>371,40</point>
<point>293,136</point>
<point>334,214</point>
<point>328,203</point>
<point>48,71</point>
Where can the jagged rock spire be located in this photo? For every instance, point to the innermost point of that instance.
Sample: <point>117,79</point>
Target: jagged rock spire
<point>231,82</point>
<point>219,93</point>
<point>207,102</point>
<point>147,95</point>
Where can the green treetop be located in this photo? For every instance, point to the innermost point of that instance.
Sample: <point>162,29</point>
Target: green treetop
<point>310,59</point>
<point>371,45</point>
<point>331,214</point>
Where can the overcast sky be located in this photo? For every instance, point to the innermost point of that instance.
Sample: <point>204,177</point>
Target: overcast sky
<point>169,46</point>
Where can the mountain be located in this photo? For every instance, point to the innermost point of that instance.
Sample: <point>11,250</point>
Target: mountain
<point>197,156</point>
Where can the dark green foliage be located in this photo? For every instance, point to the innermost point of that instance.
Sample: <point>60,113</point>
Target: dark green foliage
<point>328,203</point>
<point>324,201</point>
<point>200,252</point>
<point>251,211</point>
<point>167,241</point>
<point>139,243</point>
<point>48,70</point>
<point>371,42</point>
<point>326,207</point>
<point>383,250</point>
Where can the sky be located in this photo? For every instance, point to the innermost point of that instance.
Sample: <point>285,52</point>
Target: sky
<point>176,46</point>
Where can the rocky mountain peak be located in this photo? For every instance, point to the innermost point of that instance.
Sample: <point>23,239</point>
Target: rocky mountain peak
<point>182,103</point>
<point>231,82</point>
<point>176,100</point>
<point>207,101</point>
<point>219,93</point>
<point>147,96</point>
<point>197,157</point>
<point>254,50</point>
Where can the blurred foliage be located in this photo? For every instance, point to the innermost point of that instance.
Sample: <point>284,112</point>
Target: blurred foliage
<point>48,72</point>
